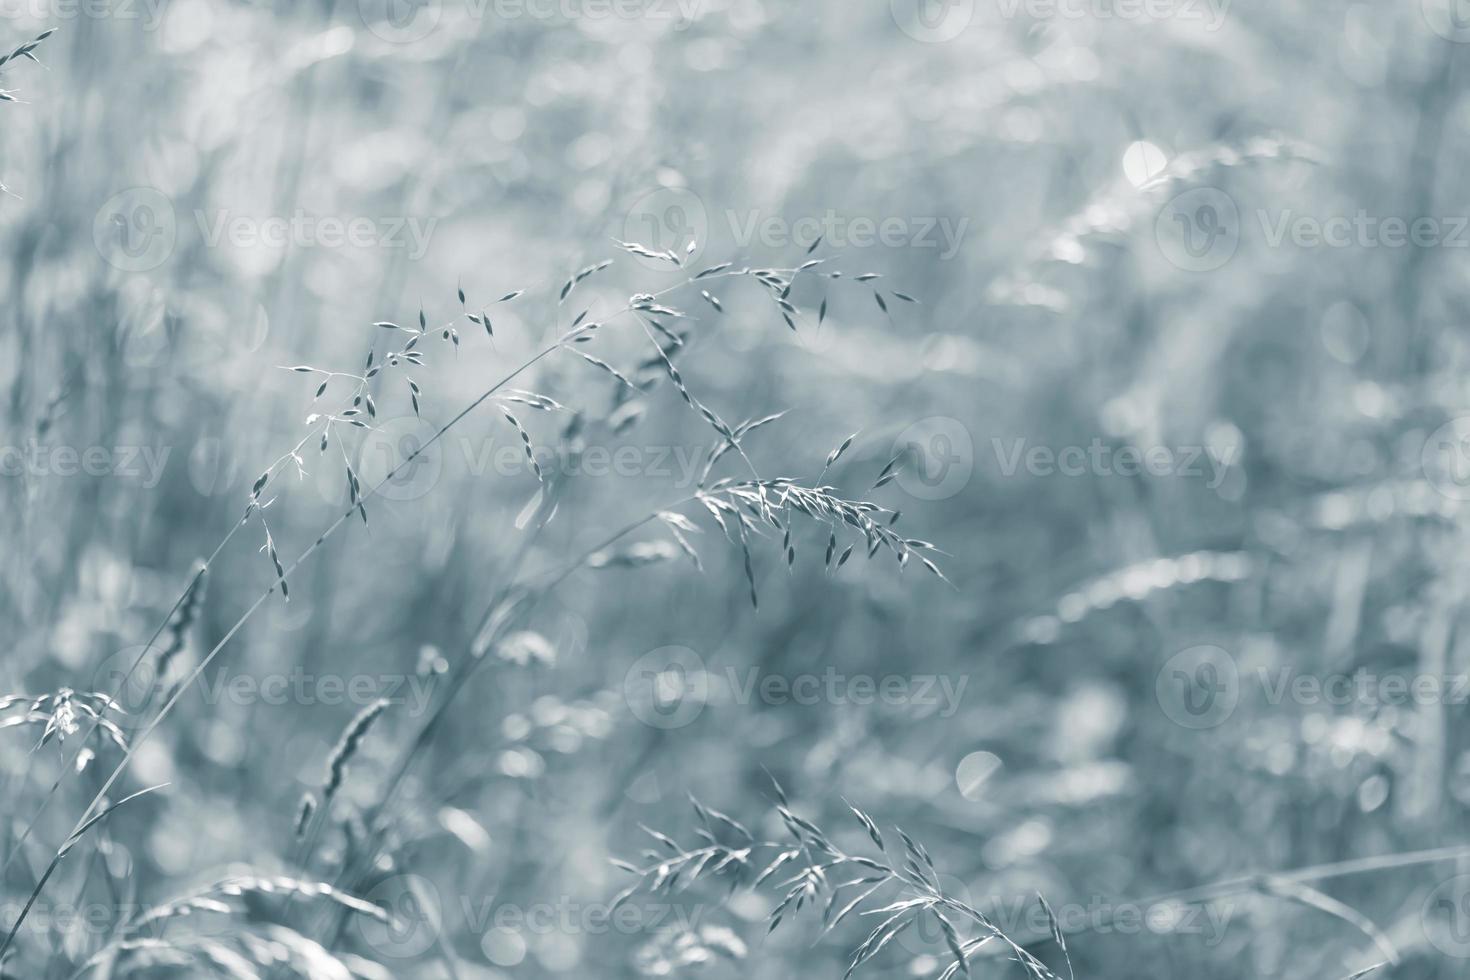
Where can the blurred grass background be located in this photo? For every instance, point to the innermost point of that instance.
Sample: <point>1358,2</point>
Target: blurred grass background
<point>522,146</point>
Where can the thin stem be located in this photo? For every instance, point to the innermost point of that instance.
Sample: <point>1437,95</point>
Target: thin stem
<point>239,623</point>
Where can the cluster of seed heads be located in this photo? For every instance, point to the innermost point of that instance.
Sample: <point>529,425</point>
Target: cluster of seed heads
<point>63,713</point>
<point>26,51</point>
<point>347,746</point>
<point>142,941</point>
<point>809,870</point>
<point>743,509</point>
<point>667,342</point>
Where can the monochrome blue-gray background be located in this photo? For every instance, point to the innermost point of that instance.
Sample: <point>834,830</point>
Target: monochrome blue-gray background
<point>1167,342</point>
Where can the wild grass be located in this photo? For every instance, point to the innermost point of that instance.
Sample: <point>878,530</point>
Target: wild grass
<point>745,510</point>
<point>515,606</point>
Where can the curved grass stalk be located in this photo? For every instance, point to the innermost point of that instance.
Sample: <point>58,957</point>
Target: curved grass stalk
<point>283,573</point>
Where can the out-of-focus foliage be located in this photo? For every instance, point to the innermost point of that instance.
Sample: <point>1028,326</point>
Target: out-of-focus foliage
<point>202,191</point>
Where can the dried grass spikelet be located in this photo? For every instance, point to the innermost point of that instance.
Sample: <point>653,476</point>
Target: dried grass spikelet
<point>215,898</point>
<point>346,748</point>
<point>178,630</point>
<point>304,812</point>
